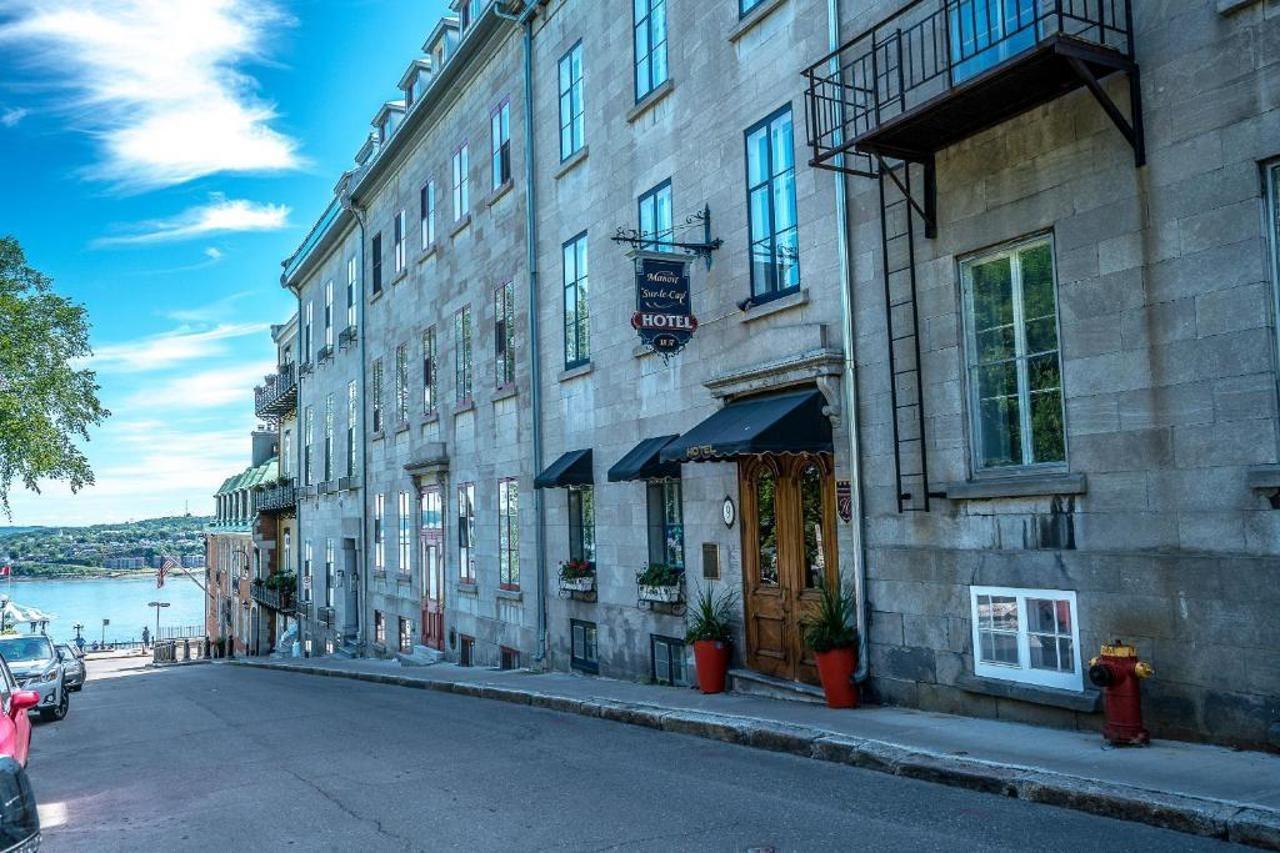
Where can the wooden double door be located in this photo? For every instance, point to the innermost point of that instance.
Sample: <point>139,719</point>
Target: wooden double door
<point>788,553</point>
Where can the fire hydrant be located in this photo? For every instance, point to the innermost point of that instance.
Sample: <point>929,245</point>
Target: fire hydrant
<point>1119,673</point>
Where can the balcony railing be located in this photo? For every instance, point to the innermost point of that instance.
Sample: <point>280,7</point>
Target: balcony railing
<point>276,599</point>
<point>939,70</point>
<point>278,497</point>
<point>278,394</point>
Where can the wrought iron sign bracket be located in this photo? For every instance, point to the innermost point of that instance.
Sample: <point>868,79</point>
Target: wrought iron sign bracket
<point>644,240</point>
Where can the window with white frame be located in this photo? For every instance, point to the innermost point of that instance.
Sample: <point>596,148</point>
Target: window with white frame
<point>328,314</point>
<point>329,580</point>
<point>572,121</point>
<point>1026,635</point>
<point>577,311</point>
<point>402,384</point>
<point>666,523</point>
<point>402,521</point>
<point>466,532</point>
<point>1013,363</point>
<point>377,395</point>
<point>509,533</point>
<point>500,144</point>
<point>306,333</point>
<point>655,217</point>
<point>352,413</point>
<point>667,660</point>
<point>504,335</point>
<point>650,30</point>
<point>379,534</point>
<point>427,212</point>
<point>771,207</point>
<point>584,653</point>
<point>462,355</point>
<point>328,437</point>
<point>430,393</point>
<point>399,241</point>
<point>351,292</point>
<point>461,166</point>
<point>582,523</point>
<point>308,434</point>
<point>306,570</point>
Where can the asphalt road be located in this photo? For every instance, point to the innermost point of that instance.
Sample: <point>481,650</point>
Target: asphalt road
<point>215,757</point>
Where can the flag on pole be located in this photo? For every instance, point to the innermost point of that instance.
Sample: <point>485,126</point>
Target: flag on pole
<point>165,565</point>
<point>6,571</point>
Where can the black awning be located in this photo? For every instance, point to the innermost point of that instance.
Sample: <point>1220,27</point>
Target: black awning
<point>792,422</point>
<point>642,462</point>
<point>571,469</point>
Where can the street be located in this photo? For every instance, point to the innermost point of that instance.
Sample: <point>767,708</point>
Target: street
<point>214,757</point>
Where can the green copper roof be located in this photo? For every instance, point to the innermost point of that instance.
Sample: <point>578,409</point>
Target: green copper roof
<point>250,477</point>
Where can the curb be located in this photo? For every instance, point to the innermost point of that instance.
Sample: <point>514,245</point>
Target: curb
<point>1221,819</point>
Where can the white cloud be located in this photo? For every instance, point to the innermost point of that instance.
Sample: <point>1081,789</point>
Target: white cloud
<point>158,82</point>
<point>213,253</point>
<point>157,352</point>
<point>219,216</point>
<point>13,115</point>
<point>206,389</point>
<point>218,311</point>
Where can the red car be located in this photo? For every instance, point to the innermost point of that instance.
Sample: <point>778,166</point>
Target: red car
<point>15,725</point>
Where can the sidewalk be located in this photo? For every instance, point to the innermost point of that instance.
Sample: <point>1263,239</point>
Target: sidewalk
<point>1204,790</point>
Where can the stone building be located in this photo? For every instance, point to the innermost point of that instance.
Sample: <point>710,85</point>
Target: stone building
<point>1042,242</point>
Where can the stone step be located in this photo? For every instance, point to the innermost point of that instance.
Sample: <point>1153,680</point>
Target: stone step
<point>421,656</point>
<point>751,683</point>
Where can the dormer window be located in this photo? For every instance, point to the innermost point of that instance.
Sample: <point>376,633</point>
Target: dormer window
<point>411,91</point>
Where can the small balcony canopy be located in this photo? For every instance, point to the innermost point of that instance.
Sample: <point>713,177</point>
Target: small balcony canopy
<point>643,462</point>
<point>790,422</point>
<point>571,469</point>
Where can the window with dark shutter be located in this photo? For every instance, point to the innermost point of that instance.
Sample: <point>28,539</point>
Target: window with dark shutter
<point>377,262</point>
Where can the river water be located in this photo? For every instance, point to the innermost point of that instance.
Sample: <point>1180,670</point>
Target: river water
<point>121,600</point>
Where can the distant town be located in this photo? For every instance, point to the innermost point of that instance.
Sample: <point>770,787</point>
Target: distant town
<point>103,549</point>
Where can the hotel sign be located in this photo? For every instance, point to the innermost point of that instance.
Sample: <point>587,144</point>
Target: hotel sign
<point>663,318</point>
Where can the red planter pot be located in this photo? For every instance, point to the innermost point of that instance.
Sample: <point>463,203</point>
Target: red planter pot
<point>835,669</point>
<point>712,660</point>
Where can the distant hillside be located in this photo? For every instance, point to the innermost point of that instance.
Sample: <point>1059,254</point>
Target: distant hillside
<point>42,551</point>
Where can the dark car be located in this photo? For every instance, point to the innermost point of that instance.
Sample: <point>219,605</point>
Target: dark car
<point>73,669</point>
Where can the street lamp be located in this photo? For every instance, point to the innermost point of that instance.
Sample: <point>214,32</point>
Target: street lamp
<point>157,605</point>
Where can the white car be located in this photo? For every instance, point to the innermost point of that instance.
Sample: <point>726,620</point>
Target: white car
<point>35,664</point>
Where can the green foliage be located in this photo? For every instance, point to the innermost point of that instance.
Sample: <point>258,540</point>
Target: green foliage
<point>79,551</point>
<point>711,617</point>
<point>659,574</point>
<point>828,624</point>
<point>283,581</point>
<point>46,401</point>
<point>572,570</point>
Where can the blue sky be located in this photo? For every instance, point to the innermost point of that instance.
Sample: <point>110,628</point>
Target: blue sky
<point>161,158</point>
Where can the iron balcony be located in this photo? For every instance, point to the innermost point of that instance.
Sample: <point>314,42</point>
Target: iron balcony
<point>280,496</point>
<point>278,395</point>
<point>939,71</point>
<point>276,599</point>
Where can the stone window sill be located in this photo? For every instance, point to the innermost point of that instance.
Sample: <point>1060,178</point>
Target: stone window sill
<point>428,252</point>
<point>404,427</point>
<point>1264,477</point>
<point>504,392</point>
<point>640,351</point>
<point>460,225</point>
<point>1087,702</point>
<point>432,417</point>
<point>774,306</point>
<point>509,594</point>
<point>650,100</point>
<point>464,406</point>
<point>377,294</point>
<point>403,579</point>
<point>1226,7</point>
<point>755,16</point>
<point>468,588</point>
<point>1034,485</point>
<point>498,192</point>
<point>400,276</point>
<point>379,574</point>
<point>575,372</point>
<point>572,161</point>
<point>378,436</point>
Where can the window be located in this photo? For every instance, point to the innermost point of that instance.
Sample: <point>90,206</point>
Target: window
<point>1273,218</point>
<point>509,533</point>
<point>306,334</point>
<point>771,207</point>
<point>328,437</point>
<point>306,570</point>
<point>402,521</point>
<point>469,12</point>
<point>379,534</point>
<point>377,396</point>
<point>1028,635</point>
<point>666,523</point>
<point>406,635</point>
<point>655,217</point>
<point>651,45</point>
<point>572,123</point>
<point>504,334</point>
<point>984,34</point>
<point>766,490</point>
<point>399,242</point>
<point>667,661</point>
<point>745,6</point>
<point>577,332</point>
<point>286,559</point>
<point>308,431</point>
<point>352,411</point>
<point>402,384</point>
<point>1014,369</point>
<point>500,144</point>
<point>427,206</point>
<point>466,532</point>
<point>430,395</point>
<point>328,573</point>
<point>376,251</point>
<point>582,523</point>
<point>351,292</point>
<point>584,654</point>
<point>328,313</point>
<point>286,452</point>
<point>379,628</point>
<point>461,183</point>
<point>462,355</point>
<point>508,658</point>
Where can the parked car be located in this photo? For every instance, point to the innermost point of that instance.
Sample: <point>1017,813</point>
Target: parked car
<point>19,817</point>
<point>15,724</point>
<point>35,665</point>
<point>73,670</point>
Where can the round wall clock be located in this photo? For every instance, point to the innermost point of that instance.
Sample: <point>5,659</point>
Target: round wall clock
<point>728,512</point>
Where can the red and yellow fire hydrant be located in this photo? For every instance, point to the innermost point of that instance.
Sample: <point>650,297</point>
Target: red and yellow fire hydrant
<point>1119,673</point>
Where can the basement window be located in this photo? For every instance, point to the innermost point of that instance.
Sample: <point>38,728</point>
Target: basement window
<point>667,661</point>
<point>584,655</point>
<point>1026,635</point>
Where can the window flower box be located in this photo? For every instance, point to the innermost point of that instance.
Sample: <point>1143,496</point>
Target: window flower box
<point>661,584</point>
<point>660,594</point>
<point>577,576</point>
<point>584,584</point>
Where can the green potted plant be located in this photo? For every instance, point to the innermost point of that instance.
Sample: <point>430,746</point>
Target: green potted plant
<point>219,647</point>
<point>711,634</point>
<point>829,632</point>
<point>660,582</point>
<point>577,575</point>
